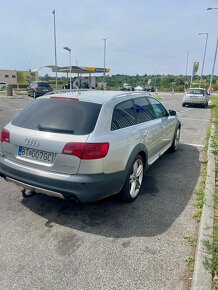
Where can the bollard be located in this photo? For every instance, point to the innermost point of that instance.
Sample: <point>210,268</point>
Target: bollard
<point>9,90</point>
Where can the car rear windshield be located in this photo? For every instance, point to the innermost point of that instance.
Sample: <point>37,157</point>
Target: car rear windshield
<point>43,85</point>
<point>195,91</point>
<point>59,116</point>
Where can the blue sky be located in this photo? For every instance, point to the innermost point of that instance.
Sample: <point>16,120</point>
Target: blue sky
<point>143,36</point>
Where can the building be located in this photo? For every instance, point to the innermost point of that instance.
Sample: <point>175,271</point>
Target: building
<point>22,79</point>
<point>9,77</point>
<point>18,78</point>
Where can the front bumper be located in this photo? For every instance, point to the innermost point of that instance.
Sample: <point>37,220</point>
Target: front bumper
<point>83,187</point>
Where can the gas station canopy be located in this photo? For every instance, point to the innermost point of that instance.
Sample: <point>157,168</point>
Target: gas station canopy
<point>78,69</point>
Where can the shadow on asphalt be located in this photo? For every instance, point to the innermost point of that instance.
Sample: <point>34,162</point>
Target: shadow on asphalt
<point>167,189</point>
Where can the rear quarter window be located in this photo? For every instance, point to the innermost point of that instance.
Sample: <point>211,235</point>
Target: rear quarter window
<point>59,115</point>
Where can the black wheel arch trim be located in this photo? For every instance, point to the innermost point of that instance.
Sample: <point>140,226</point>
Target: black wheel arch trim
<point>178,126</point>
<point>139,149</point>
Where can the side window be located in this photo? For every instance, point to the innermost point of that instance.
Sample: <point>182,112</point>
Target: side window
<point>159,109</point>
<point>123,115</point>
<point>144,110</point>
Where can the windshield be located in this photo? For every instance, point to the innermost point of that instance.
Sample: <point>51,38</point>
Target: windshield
<point>59,116</point>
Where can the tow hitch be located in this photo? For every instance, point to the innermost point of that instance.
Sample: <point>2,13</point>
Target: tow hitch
<point>28,194</point>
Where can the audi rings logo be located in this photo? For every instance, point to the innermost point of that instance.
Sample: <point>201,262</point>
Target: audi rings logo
<point>32,142</point>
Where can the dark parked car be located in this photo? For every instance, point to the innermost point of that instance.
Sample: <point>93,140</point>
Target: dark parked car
<point>36,89</point>
<point>150,89</point>
<point>3,85</point>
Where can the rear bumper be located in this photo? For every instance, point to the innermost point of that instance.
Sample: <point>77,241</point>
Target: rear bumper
<point>38,93</point>
<point>41,93</point>
<point>195,101</point>
<point>85,188</point>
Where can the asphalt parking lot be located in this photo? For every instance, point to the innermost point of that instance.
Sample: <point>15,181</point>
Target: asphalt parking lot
<point>47,243</point>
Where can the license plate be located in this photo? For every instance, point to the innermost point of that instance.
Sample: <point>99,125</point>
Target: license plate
<point>36,154</point>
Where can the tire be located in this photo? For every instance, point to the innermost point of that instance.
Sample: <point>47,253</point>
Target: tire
<point>183,104</point>
<point>176,139</point>
<point>132,186</point>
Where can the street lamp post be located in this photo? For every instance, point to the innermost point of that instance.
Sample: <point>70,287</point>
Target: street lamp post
<point>105,39</point>
<point>214,62</point>
<point>205,49</point>
<point>55,51</point>
<point>186,69</point>
<point>68,49</point>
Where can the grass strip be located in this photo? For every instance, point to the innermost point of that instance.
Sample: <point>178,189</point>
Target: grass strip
<point>212,264</point>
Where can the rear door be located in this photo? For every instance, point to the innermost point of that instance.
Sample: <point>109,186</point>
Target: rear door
<point>39,134</point>
<point>124,136</point>
<point>150,128</point>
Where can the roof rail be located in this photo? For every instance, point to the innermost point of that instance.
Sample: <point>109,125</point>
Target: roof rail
<point>66,91</point>
<point>128,93</point>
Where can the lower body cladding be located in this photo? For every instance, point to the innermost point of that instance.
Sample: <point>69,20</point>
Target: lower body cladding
<point>85,188</point>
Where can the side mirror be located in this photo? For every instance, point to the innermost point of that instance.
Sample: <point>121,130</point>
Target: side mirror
<point>172,113</point>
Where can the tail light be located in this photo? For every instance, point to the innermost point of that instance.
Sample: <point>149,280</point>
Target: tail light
<point>86,150</point>
<point>5,136</point>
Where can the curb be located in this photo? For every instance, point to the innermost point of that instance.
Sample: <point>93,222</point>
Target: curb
<point>202,279</point>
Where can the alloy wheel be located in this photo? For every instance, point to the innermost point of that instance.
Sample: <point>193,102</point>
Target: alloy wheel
<point>136,178</point>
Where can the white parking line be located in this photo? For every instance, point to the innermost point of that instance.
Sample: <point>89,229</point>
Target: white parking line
<point>195,145</point>
<point>192,119</point>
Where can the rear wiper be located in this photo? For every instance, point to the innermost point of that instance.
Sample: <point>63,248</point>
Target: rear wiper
<point>56,130</point>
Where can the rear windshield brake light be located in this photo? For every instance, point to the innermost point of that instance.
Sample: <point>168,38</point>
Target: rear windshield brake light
<point>86,151</point>
<point>5,136</point>
<point>63,98</point>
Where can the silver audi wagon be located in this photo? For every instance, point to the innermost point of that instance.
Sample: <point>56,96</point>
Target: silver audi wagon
<point>86,145</point>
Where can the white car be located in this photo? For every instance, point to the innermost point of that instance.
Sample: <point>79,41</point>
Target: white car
<point>3,85</point>
<point>198,96</point>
